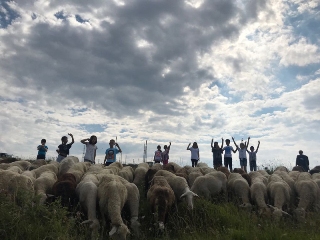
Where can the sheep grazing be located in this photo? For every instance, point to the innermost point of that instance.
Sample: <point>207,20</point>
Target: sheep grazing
<point>238,188</point>
<point>127,173</point>
<point>115,167</point>
<point>298,168</point>
<point>66,164</point>
<point>316,169</point>
<point>308,194</point>
<point>23,165</point>
<point>12,182</point>
<point>193,175</point>
<point>79,169</point>
<point>157,166</point>
<point>179,186</point>
<point>225,170</point>
<point>132,203</point>
<point>4,166</point>
<point>161,198</point>
<point>139,174</point>
<point>43,185</point>
<point>281,168</point>
<point>172,166</point>
<point>316,178</point>
<point>258,190</point>
<point>48,167</point>
<point>112,196</point>
<point>264,173</point>
<point>279,193</point>
<point>210,185</point>
<point>87,192</point>
<point>37,163</point>
<point>15,169</point>
<point>148,177</point>
<point>202,165</point>
<point>207,170</point>
<point>65,188</point>
<point>183,172</point>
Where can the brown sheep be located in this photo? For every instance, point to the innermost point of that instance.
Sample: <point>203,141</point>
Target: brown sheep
<point>65,188</point>
<point>161,198</point>
<point>225,170</point>
<point>298,168</point>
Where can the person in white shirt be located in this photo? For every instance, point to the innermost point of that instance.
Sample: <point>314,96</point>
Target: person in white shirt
<point>195,155</point>
<point>242,154</point>
<point>228,154</point>
<point>91,149</point>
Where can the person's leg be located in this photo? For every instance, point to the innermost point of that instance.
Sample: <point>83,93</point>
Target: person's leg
<point>255,166</point>
<point>192,162</point>
<point>196,163</point>
<point>230,164</point>
<point>245,165</point>
<point>225,161</point>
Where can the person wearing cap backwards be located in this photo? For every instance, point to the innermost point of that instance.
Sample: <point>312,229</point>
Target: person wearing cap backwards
<point>158,155</point>
<point>302,161</point>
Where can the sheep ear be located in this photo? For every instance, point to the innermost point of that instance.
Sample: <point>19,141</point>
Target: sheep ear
<point>113,231</point>
<point>183,195</point>
<point>87,221</point>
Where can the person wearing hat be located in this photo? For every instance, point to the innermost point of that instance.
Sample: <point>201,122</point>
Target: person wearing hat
<point>302,161</point>
<point>158,155</point>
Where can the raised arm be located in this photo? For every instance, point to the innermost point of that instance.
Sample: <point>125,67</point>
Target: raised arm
<point>188,148</point>
<point>247,144</point>
<point>84,140</point>
<point>169,145</point>
<point>235,143</point>
<point>212,143</point>
<point>72,142</point>
<point>117,145</point>
<point>222,143</point>
<point>258,146</point>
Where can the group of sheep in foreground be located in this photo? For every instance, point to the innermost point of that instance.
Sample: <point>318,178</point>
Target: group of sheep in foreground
<point>114,187</point>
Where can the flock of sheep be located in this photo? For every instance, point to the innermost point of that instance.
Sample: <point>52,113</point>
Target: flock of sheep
<point>115,187</point>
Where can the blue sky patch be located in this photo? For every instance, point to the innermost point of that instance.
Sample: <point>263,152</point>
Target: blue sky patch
<point>93,128</point>
<point>7,15</point>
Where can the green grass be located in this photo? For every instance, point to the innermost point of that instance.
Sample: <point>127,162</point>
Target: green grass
<point>26,220</point>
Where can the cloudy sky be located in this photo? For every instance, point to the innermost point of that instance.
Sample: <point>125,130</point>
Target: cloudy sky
<point>161,70</point>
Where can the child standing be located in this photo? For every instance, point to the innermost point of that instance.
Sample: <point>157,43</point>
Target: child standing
<point>91,149</point>
<point>42,150</point>
<point>228,155</point>
<point>217,154</point>
<point>242,154</point>
<point>165,154</point>
<point>195,155</point>
<point>253,157</point>
<point>111,152</point>
<point>63,149</point>
<point>157,155</point>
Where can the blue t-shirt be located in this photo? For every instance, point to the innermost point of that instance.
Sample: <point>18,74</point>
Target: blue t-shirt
<point>41,151</point>
<point>111,154</point>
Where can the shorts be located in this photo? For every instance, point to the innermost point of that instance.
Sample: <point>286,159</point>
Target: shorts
<point>40,156</point>
<point>60,158</point>
<point>87,160</point>
<point>217,161</point>
<point>243,162</point>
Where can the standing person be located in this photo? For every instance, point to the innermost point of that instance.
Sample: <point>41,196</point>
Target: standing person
<point>253,157</point>
<point>195,155</point>
<point>63,148</point>
<point>157,158</point>
<point>302,161</point>
<point>242,154</point>
<point>42,150</point>
<point>91,149</point>
<point>111,152</point>
<point>217,154</point>
<point>228,155</point>
<point>165,154</point>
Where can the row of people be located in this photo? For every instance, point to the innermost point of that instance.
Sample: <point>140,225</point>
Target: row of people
<point>91,149</point>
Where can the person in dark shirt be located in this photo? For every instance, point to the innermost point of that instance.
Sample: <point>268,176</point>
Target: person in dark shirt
<point>217,154</point>
<point>63,149</point>
<point>302,161</point>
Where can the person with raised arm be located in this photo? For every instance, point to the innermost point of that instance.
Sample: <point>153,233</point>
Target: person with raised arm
<point>217,153</point>
<point>195,155</point>
<point>242,153</point>
<point>91,149</point>
<point>63,148</point>
<point>111,152</point>
<point>253,157</point>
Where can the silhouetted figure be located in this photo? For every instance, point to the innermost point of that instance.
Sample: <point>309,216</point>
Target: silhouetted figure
<point>302,161</point>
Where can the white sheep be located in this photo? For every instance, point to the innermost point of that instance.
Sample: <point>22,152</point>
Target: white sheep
<point>279,193</point>
<point>15,169</point>
<point>258,191</point>
<point>112,196</point>
<point>43,185</point>
<point>23,165</point>
<point>127,173</point>
<point>179,186</point>
<point>210,185</point>
<point>66,163</point>
<point>115,167</point>
<point>193,176</point>
<point>173,166</point>
<point>202,165</point>
<point>157,166</point>
<point>79,169</point>
<point>48,167</point>
<point>238,187</point>
<point>308,195</point>
<point>316,178</point>
<point>139,174</point>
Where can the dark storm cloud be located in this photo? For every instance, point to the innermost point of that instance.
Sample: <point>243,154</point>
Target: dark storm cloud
<point>107,68</point>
